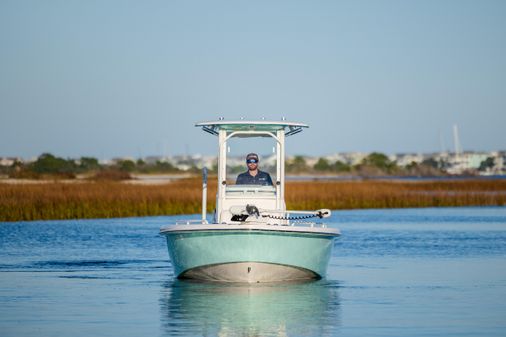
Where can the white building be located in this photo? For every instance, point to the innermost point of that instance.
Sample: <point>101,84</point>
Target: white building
<point>408,158</point>
<point>8,161</point>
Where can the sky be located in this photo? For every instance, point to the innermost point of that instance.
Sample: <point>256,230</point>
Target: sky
<point>130,78</point>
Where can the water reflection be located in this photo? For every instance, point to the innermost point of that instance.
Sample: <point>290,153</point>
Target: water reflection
<point>211,309</point>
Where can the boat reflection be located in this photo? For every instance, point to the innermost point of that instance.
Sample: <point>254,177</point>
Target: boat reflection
<point>212,309</point>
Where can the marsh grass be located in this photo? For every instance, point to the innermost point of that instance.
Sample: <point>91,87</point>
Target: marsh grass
<point>395,194</point>
<point>107,199</point>
<point>99,199</point>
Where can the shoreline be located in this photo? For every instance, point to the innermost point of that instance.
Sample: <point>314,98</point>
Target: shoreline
<point>161,179</point>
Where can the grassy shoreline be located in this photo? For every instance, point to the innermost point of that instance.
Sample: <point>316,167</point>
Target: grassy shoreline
<point>56,200</point>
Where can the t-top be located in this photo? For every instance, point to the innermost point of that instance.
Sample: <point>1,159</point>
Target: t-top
<point>262,178</point>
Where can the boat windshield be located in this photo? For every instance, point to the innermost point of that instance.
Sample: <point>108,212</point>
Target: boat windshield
<point>239,148</point>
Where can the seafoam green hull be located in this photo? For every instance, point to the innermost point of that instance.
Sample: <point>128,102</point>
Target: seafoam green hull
<point>194,250</point>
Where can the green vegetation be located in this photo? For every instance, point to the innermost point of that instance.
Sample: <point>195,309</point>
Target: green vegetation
<point>297,165</point>
<point>381,162</point>
<point>322,165</point>
<point>47,163</point>
<point>487,164</point>
<point>375,164</point>
<point>48,166</point>
<point>339,166</point>
<point>89,164</point>
<point>238,169</point>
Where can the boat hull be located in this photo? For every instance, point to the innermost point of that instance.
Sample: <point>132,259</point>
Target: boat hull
<point>250,254</point>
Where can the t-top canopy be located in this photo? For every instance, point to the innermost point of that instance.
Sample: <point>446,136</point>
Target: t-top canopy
<point>270,126</point>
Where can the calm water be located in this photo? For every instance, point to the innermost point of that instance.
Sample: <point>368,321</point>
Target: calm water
<point>417,272</point>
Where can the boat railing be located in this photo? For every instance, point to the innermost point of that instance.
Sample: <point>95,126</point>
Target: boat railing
<point>274,218</point>
<point>312,224</point>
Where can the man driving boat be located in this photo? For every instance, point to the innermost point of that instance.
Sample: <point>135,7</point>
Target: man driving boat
<point>253,176</point>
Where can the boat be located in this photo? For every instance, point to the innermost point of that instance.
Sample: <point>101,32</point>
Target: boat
<point>252,237</point>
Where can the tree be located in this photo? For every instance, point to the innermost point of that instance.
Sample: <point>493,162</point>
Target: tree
<point>89,163</point>
<point>322,165</point>
<point>214,167</point>
<point>376,159</point>
<point>487,164</point>
<point>297,164</point>
<point>339,166</point>
<point>126,165</point>
<point>379,161</point>
<point>165,166</point>
<point>431,162</point>
<point>47,163</point>
<point>234,169</point>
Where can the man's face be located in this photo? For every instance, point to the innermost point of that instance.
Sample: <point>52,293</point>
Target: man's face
<point>252,164</point>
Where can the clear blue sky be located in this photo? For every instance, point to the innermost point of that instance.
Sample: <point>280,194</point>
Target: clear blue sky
<point>114,78</point>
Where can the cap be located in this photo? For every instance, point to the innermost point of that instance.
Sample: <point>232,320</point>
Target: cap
<point>252,156</point>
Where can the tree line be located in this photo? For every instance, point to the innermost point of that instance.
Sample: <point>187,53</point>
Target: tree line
<point>375,164</point>
<point>48,164</point>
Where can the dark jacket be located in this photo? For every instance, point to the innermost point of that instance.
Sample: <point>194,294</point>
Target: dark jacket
<point>262,178</point>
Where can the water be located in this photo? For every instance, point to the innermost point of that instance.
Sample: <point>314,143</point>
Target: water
<point>416,272</point>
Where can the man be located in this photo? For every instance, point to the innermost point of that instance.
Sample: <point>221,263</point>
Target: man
<point>253,176</point>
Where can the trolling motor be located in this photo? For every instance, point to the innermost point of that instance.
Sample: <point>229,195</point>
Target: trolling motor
<point>252,210</point>
<point>242,214</point>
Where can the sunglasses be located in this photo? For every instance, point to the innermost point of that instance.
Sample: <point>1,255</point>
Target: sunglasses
<point>251,161</point>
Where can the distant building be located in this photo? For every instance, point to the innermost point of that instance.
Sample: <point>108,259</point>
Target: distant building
<point>465,162</point>
<point>350,158</point>
<point>453,163</point>
<point>105,162</point>
<point>151,160</point>
<point>406,159</point>
<point>311,161</point>
<point>499,164</point>
<point>9,161</point>
<point>336,157</point>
